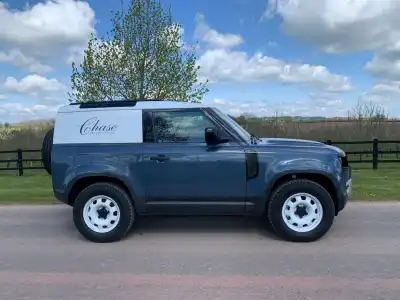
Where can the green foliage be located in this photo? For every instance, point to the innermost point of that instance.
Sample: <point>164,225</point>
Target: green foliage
<point>23,135</point>
<point>143,59</point>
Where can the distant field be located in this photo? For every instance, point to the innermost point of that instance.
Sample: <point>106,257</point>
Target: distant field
<point>368,185</point>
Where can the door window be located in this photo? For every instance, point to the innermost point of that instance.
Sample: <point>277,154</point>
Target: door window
<point>177,127</point>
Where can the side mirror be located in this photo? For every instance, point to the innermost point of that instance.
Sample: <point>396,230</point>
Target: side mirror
<point>212,137</point>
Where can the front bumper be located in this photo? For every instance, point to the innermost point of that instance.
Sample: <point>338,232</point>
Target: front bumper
<point>349,186</point>
<point>346,186</point>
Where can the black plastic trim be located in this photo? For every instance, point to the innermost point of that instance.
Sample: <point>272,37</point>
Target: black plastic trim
<point>118,103</point>
<point>252,164</point>
<point>222,125</point>
<point>345,162</point>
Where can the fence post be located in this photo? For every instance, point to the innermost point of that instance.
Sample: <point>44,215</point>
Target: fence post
<point>375,153</point>
<point>20,163</point>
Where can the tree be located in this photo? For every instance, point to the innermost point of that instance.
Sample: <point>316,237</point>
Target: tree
<point>144,58</point>
<point>368,112</point>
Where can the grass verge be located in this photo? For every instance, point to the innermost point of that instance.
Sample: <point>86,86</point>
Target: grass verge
<point>376,185</point>
<point>368,185</point>
<point>32,188</point>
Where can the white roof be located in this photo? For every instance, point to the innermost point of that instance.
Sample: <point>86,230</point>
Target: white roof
<point>139,105</point>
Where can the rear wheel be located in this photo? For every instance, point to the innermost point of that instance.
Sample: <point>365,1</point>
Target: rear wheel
<point>301,210</point>
<point>103,213</point>
<point>47,146</point>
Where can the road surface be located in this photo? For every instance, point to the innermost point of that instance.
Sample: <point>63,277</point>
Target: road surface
<point>43,257</point>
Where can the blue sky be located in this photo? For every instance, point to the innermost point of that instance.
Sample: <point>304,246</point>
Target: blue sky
<point>317,57</point>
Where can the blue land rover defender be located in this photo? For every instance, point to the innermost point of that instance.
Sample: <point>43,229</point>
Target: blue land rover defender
<point>114,161</point>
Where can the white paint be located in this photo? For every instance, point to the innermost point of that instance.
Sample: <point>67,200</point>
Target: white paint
<point>88,126</point>
<point>313,208</point>
<point>75,125</point>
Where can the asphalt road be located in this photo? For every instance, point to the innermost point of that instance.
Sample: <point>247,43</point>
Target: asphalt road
<point>43,257</point>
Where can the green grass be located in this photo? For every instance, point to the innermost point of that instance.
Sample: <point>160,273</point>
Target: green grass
<point>34,187</point>
<point>376,185</point>
<point>368,185</point>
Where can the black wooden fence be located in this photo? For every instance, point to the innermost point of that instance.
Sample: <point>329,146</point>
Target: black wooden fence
<point>17,162</point>
<point>374,152</point>
<point>20,162</point>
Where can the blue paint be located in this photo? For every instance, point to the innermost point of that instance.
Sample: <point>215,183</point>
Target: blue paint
<point>195,178</point>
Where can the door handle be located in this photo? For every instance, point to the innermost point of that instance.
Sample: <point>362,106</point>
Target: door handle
<point>159,158</point>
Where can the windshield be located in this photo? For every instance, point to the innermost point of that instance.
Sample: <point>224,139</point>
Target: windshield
<point>240,130</point>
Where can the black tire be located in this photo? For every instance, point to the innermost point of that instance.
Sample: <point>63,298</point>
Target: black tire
<point>47,146</point>
<point>126,209</point>
<point>287,189</point>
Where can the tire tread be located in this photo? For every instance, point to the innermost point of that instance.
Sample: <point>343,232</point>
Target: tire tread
<point>47,145</point>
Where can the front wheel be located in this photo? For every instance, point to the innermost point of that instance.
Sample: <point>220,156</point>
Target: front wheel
<point>301,210</point>
<point>103,212</point>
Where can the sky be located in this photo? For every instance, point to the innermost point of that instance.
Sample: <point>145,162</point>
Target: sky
<point>262,57</point>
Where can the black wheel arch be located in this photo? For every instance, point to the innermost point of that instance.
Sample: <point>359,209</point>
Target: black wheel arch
<point>83,182</point>
<point>320,178</point>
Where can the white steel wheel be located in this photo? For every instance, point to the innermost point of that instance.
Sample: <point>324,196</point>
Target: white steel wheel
<point>302,212</point>
<point>101,214</point>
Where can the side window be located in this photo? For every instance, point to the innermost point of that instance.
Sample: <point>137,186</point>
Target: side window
<point>180,126</point>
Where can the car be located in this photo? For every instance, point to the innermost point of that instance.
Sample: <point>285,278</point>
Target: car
<point>115,161</point>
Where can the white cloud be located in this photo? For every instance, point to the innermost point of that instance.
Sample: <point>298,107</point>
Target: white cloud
<point>214,38</point>
<point>53,101</point>
<point>3,97</point>
<point>236,108</point>
<point>18,59</point>
<point>32,84</point>
<point>382,93</point>
<point>318,105</point>
<point>295,108</point>
<point>76,54</point>
<point>339,25</point>
<point>386,63</point>
<point>388,88</point>
<point>326,100</point>
<point>224,65</point>
<point>46,27</point>
<point>17,112</point>
<point>343,26</point>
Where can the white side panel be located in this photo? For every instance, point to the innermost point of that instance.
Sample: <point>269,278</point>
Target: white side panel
<point>93,127</point>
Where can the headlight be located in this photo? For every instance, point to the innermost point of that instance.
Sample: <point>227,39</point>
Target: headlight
<point>338,164</point>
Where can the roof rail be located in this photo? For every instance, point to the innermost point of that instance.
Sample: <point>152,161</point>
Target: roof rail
<point>117,103</point>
